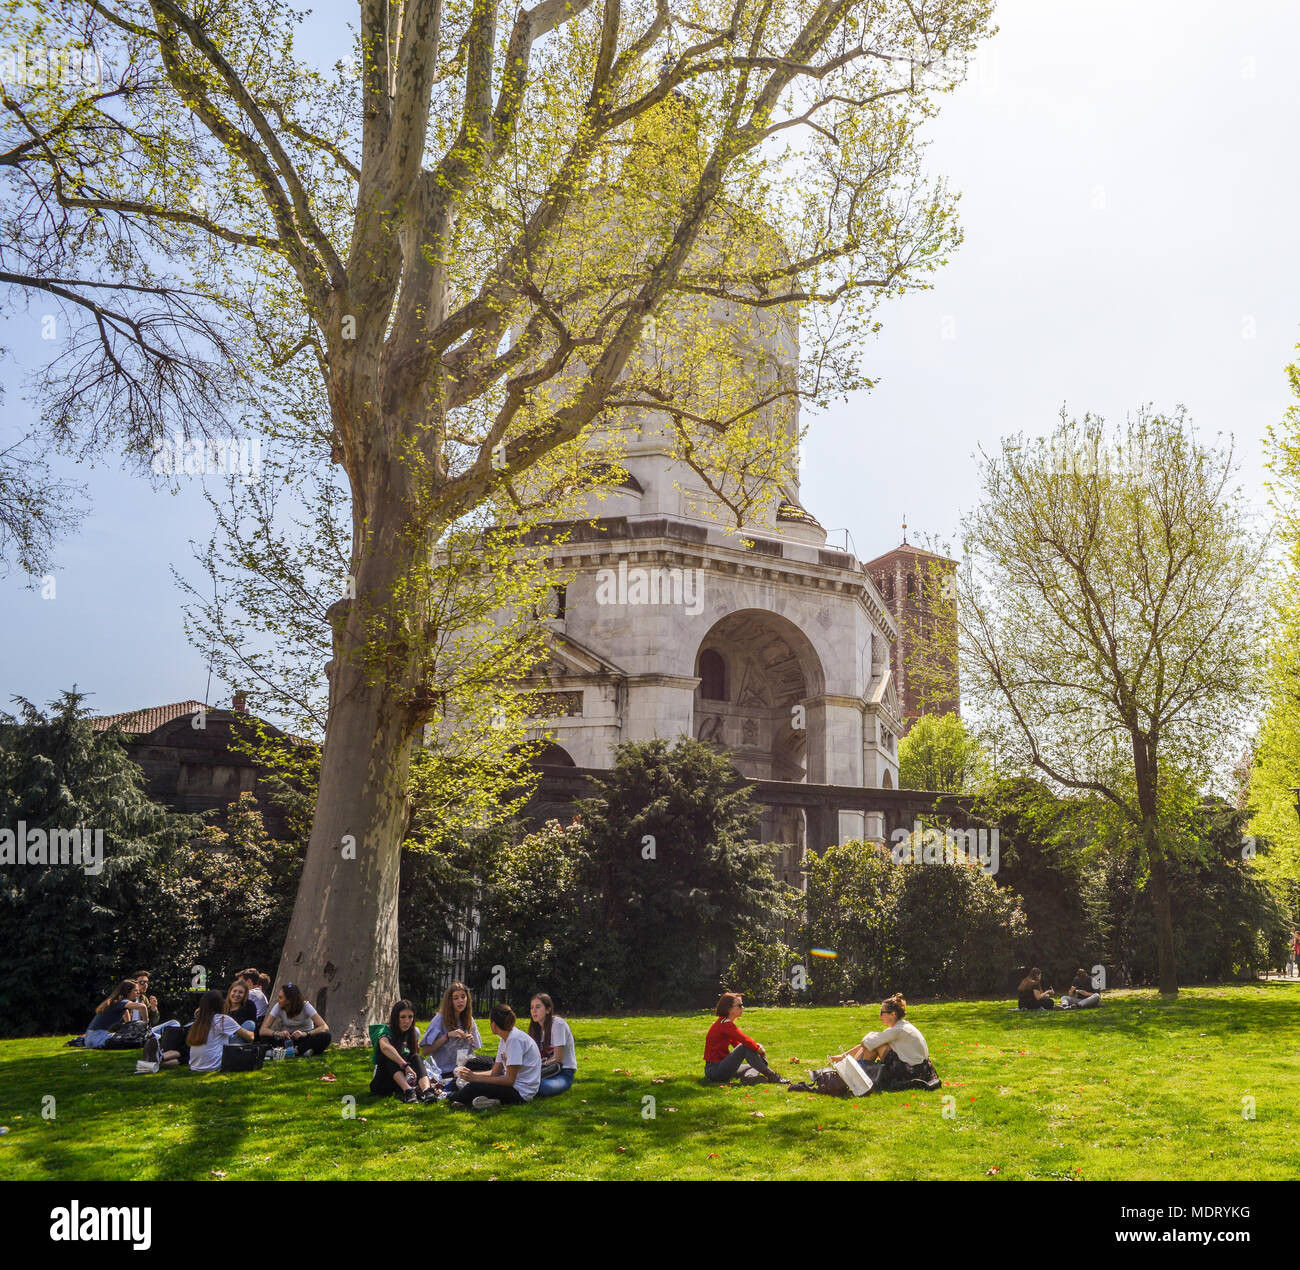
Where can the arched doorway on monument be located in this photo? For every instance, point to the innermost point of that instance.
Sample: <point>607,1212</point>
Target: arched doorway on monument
<point>754,669</point>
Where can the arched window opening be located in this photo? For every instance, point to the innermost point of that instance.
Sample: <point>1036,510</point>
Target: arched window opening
<point>713,676</point>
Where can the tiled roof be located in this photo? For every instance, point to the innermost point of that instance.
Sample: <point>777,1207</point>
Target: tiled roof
<point>906,549</point>
<point>142,722</point>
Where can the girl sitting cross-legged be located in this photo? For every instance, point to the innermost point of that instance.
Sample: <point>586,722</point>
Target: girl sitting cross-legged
<point>397,1059</point>
<point>515,1076</point>
<point>899,1054</point>
<point>209,1033</point>
<point>1032,994</point>
<point>293,1019</point>
<point>451,1031</point>
<point>239,1007</point>
<point>719,1065</point>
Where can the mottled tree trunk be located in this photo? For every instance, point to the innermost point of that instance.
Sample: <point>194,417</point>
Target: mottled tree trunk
<point>341,947</point>
<point>1146,770</point>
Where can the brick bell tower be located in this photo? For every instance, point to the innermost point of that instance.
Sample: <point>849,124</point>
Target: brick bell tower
<point>913,583</point>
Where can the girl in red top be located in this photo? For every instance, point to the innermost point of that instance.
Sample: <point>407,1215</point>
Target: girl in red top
<point>720,1066</point>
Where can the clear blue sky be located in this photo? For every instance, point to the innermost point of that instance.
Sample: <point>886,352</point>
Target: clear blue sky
<point>1130,197</point>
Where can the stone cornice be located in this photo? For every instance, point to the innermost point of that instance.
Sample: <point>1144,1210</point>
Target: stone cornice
<point>692,550</point>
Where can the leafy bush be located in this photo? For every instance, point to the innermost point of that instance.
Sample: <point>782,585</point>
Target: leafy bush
<point>762,972</point>
<point>660,870</point>
<point>911,927</point>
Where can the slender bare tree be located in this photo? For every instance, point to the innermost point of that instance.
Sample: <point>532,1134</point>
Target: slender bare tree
<point>1108,609</point>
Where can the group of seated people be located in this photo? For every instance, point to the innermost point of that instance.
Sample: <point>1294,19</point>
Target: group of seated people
<point>242,1016</point>
<point>443,1063</point>
<point>1082,995</point>
<point>895,1058</point>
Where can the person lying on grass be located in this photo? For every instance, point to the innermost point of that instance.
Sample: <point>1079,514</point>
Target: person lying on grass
<point>397,1059</point>
<point>1033,996</point>
<point>515,1077</point>
<point>900,1051</point>
<point>719,1065</point>
<point>293,1019</point>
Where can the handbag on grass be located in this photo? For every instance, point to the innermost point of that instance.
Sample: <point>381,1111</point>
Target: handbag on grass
<point>850,1072</point>
<point>242,1058</point>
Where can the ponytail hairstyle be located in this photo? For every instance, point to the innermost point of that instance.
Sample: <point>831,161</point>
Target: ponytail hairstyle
<point>210,1005</point>
<point>411,1037</point>
<point>895,1005</point>
<point>541,1033</point>
<point>120,993</point>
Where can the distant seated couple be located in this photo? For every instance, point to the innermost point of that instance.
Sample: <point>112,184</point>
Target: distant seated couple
<point>898,1055</point>
<point>539,1063</point>
<point>1081,995</point>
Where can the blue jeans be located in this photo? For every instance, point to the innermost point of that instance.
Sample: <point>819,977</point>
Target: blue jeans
<point>95,1040</point>
<point>560,1084</point>
<point>724,1069</point>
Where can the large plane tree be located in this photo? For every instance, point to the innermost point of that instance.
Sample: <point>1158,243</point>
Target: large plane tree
<point>482,238</point>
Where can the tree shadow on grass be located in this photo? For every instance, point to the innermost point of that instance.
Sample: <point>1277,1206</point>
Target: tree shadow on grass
<point>109,1122</point>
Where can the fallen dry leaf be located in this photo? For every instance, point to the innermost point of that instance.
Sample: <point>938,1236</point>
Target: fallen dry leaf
<point>759,1114</point>
<point>993,1170</point>
<point>329,1077</point>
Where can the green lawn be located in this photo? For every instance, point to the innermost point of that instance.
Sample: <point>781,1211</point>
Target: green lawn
<point>1139,1089</point>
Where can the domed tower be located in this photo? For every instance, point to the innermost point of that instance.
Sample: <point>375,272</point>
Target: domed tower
<point>704,600</point>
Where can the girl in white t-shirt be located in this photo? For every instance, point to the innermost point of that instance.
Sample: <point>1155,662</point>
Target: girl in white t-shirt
<point>291,1019</point>
<point>210,1032</point>
<point>555,1040</point>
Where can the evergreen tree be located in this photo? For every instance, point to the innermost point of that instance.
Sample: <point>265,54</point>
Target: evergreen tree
<point>60,925</point>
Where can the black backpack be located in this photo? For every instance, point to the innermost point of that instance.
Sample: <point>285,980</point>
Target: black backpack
<point>130,1036</point>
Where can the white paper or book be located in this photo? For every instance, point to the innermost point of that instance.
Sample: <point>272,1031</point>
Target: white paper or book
<point>851,1073</point>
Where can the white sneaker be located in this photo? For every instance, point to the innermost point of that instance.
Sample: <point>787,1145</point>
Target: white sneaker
<point>482,1103</point>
